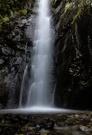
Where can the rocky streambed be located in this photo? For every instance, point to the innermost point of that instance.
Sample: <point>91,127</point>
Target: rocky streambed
<point>46,124</point>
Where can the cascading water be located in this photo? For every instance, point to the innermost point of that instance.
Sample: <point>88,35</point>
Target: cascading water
<point>39,93</point>
<point>38,97</point>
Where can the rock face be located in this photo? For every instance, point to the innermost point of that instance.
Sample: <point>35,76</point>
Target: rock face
<point>15,50</point>
<point>73,55</point>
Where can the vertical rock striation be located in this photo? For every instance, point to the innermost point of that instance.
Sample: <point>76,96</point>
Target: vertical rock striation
<point>73,54</point>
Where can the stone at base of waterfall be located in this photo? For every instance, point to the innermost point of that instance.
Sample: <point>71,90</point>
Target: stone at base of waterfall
<point>65,124</point>
<point>47,124</point>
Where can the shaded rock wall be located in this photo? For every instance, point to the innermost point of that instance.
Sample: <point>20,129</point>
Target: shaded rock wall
<point>73,55</point>
<point>15,50</point>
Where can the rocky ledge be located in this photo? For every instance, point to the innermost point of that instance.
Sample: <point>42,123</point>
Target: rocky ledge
<point>57,124</point>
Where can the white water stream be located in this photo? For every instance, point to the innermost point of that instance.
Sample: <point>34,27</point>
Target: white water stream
<point>39,93</point>
<point>39,96</point>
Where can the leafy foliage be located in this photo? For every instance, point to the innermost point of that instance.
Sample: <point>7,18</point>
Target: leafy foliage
<point>77,8</point>
<point>8,8</point>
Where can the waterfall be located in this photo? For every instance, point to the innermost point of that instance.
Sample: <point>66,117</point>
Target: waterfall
<point>39,93</point>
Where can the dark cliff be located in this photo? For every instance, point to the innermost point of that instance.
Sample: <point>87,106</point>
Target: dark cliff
<point>73,52</point>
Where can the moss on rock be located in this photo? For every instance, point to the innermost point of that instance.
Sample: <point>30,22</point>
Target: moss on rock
<point>23,12</point>
<point>10,8</point>
<point>73,54</point>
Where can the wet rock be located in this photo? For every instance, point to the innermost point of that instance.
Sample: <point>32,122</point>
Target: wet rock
<point>73,57</point>
<point>1,61</point>
<point>86,129</point>
<point>38,133</point>
<point>38,127</point>
<point>50,134</point>
<point>8,128</point>
<point>1,130</point>
<point>29,134</point>
<point>15,49</point>
<point>49,125</point>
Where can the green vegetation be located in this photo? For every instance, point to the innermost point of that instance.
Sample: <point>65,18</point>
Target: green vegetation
<point>77,7</point>
<point>11,5</point>
<point>12,8</point>
<point>23,11</point>
<point>81,7</point>
<point>9,9</point>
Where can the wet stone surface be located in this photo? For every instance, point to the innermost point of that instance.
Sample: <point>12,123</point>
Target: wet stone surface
<point>59,124</point>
